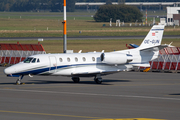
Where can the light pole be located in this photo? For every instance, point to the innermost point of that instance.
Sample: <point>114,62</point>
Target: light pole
<point>64,30</point>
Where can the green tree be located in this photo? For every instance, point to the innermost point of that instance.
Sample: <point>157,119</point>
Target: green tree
<point>108,2</point>
<point>121,1</point>
<point>123,12</point>
<point>70,5</point>
<point>36,5</point>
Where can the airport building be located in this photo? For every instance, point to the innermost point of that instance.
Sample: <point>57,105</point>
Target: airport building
<point>173,16</point>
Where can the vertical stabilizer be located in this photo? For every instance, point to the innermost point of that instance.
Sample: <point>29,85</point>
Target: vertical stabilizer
<point>154,37</point>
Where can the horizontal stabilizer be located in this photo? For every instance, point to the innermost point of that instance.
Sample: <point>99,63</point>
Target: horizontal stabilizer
<point>134,45</point>
<point>154,48</point>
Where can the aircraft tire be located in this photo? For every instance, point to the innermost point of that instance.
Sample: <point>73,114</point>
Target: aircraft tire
<point>18,82</point>
<point>98,81</point>
<point>76,79</point>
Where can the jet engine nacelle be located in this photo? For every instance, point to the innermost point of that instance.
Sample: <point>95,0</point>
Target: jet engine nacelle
<point>116,58</point>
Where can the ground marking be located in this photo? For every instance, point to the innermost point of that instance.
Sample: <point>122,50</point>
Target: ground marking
<point>130,119</point>
<point>48,114</point>
<point>93,94</point>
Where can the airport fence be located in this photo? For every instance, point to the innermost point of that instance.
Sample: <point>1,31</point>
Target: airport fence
<point>15,53</point>
<point>168,60</point>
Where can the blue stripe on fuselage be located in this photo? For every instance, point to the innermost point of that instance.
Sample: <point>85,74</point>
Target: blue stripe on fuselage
<point>38,71</point>
<point>42,70</point>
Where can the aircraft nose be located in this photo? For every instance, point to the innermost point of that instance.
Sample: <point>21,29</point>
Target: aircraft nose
<point>8,71</point>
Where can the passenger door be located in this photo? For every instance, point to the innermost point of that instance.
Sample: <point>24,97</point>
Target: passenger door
<point>53,64</point>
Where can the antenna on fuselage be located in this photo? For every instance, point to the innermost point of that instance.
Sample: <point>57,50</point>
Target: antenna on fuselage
<point>64,30</point>
<point>80,51</point>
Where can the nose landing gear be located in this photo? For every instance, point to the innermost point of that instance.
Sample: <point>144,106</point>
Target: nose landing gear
<point>18,82</point>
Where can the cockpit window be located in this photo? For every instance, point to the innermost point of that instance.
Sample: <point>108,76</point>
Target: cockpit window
<point>34,60</point>
<point>28,60</point>
<point>38,60</point>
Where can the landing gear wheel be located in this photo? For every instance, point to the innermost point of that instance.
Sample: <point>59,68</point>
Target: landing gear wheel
<point>18,82</point>
<point>98,81</point>
<point>76,79</point>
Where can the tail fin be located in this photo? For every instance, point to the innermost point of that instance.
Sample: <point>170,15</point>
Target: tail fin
<point>153,38</point>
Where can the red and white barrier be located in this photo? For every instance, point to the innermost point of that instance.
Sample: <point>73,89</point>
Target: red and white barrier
<point>15,53</point>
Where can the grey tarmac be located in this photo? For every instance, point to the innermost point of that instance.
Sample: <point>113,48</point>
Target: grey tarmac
<point>123,95</point>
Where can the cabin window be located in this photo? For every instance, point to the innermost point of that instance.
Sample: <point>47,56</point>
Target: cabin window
<point>28,60</point>
<point>76,59</point>
<point>68,59</point>
<point>60,59</point>
<point>84,59</point>
<point>34,60</point>
<point>93,59</point>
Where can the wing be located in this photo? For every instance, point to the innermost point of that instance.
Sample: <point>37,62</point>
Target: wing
<point>93,73</point>
<point>141,65</point>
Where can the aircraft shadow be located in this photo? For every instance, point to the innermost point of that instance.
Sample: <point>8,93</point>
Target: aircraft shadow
<point>7,83</point>
<point>105,82</point>
<point>175,94</point>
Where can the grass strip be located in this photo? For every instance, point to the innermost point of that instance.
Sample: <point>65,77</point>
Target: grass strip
<point>56,46</point>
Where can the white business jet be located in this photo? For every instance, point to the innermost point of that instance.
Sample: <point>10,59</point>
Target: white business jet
<point>93,64</point>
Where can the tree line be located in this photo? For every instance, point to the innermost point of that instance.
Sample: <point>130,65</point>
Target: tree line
<point>55,5</point>
<point>36,5</point>
<point>122,12</point>
<point>129,0</point>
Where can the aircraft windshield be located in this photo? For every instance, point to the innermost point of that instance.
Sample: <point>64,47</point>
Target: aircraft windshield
<point>28,60</point>
<point>34,60</point>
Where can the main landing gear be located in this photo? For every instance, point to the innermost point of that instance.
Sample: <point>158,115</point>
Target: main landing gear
<point>98,79</point>
<point>18,82</point>
<point>76,79</point>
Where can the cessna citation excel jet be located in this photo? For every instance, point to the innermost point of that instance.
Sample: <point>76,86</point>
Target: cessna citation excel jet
<point>92,64</point>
